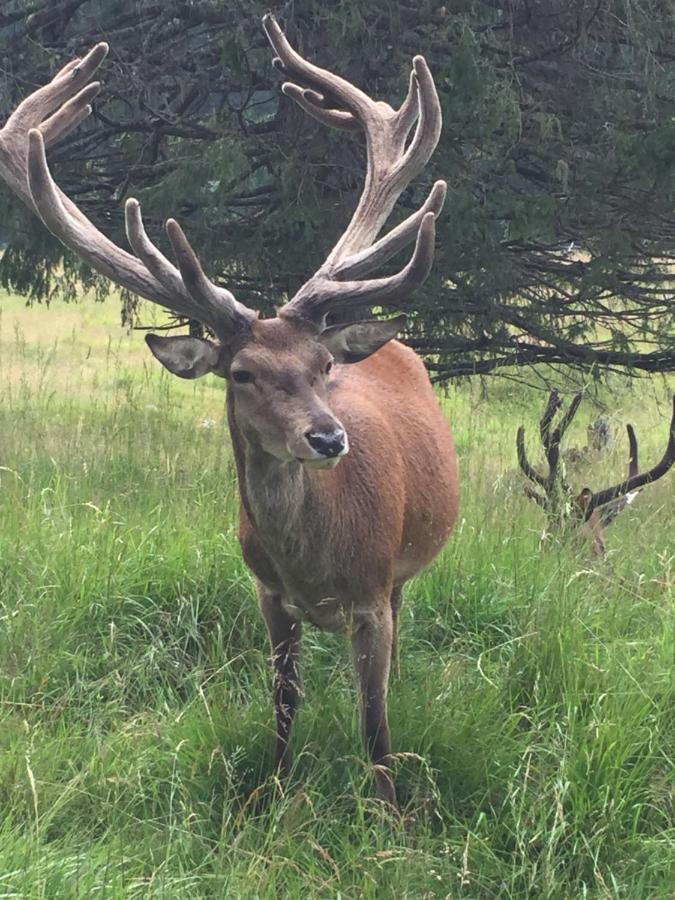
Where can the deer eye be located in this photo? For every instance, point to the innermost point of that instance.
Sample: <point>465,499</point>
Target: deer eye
<point>241,376</point>
<point>329,366</point>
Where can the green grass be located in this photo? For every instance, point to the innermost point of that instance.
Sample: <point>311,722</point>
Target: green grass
<point>534,713</point>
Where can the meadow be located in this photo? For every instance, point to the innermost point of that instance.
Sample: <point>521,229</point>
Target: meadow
<point>533,714</point>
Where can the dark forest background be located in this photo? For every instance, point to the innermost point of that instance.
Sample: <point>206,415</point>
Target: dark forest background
<point>557,242</point>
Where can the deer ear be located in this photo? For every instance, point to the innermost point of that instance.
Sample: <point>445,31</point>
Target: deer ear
<point>355,341</point>
<point>185,356</point>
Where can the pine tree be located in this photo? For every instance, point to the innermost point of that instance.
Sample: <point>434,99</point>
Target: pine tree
<point>558,238</point>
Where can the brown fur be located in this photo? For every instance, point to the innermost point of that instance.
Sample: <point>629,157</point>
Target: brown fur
<point>335,546</point>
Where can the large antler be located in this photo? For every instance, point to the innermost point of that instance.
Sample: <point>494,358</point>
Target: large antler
<point>391,165</point>
<point>553,484</point>
<point>48,115</point>
<point>636,479</point>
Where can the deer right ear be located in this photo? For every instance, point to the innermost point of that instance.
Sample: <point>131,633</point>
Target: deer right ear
<point>185,356</point>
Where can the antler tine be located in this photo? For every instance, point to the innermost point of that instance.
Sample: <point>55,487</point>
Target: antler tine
<point>40,120</point>
<point>553,405</point>
<point>61,103</point>
<point>382,250</point>
<point>550,441</point>
<point>609,511</point>
<point>566,419</point>
<point>70,115</point>
<point>640,479</point>
<point>524,463</point>
<point>153,260</point>
<point>429,125</point>
<point>295,66</point>
<point>390,168</point>
<point>212,305</point>
<point>207,295</point>
<point>50,97</point>
<point>554,484</point>
<point>153,277</point>
<point>318,296</point>
<point>312,103</point>
<point>409,109</point>
<point>67,223</point>
<point>633,463</point>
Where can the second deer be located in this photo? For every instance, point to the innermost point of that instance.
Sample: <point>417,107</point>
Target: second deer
<point>590,510</point>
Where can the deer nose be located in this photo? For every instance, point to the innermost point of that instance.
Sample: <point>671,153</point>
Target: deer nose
<point>327,443</point>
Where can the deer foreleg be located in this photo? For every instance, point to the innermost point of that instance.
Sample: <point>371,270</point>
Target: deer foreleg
<point>285,638</point>
<point>372,637</point>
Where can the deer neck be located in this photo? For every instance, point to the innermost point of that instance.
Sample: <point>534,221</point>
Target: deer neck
<point>274,494</point>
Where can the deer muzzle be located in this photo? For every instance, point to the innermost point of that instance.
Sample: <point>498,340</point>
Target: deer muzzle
<point>326,447</point>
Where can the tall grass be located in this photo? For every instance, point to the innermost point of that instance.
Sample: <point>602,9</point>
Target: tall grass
<point>533,713</point>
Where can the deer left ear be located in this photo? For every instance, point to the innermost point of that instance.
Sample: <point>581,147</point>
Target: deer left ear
<point>355,341</point>
<point>185,356</point>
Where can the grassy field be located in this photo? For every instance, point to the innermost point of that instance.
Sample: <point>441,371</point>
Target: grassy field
<point>534,712</point>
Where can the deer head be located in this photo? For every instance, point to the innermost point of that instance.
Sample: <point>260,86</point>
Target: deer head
<point>279,369</point>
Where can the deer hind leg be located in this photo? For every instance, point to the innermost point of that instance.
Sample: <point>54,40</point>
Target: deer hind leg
<point>372,636</point>
<point>285,638</point>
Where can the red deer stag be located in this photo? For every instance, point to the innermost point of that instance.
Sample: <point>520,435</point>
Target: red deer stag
<point>329,544</point>
<point>593,511</point>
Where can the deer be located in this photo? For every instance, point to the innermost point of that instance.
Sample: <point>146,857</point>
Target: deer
<point>589,511</point>
<point>346,467</point>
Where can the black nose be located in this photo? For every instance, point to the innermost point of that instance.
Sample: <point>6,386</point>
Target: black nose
<point>327,443</point>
